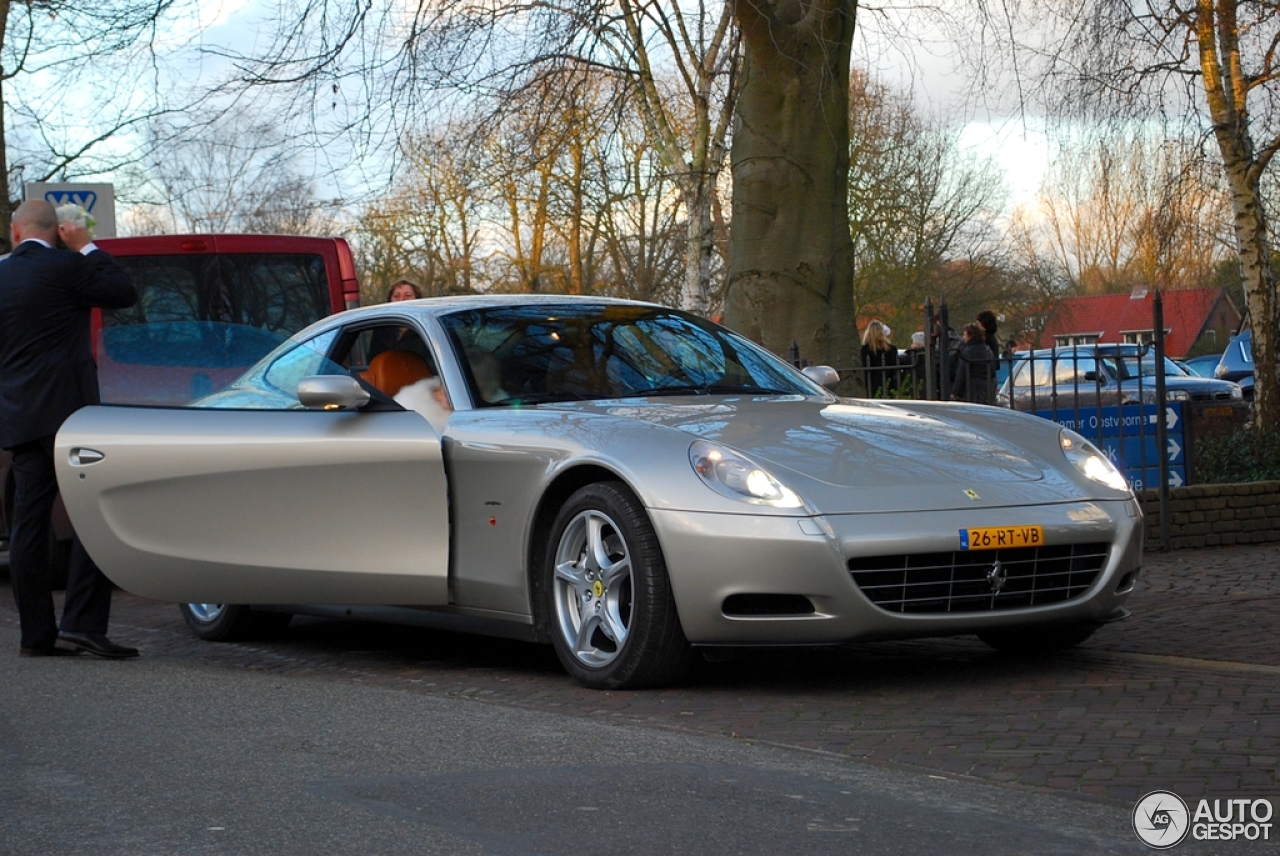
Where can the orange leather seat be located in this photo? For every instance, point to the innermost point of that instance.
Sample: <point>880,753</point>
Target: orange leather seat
<point>391,371</point>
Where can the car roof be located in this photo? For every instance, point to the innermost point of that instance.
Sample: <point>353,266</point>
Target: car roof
<point>436,306</point>
<point>443,305</point>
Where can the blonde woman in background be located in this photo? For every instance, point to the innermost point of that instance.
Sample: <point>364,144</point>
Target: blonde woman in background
<point>879,361</point>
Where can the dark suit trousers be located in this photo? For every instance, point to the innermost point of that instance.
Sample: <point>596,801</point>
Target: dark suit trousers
<point>87,606</point>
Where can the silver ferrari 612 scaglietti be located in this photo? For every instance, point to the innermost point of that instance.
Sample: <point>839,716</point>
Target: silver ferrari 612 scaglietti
<point>626,481</point>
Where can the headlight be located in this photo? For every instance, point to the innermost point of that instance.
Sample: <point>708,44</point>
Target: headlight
<point>1086,458</point>
<point>737,477</point>
<point>1237,392</point>
<point>1177,395</point>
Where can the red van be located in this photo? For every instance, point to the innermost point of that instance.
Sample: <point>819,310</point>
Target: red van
<point>208,307</point>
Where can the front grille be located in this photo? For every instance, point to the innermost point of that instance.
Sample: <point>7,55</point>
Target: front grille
<point>979,581</point>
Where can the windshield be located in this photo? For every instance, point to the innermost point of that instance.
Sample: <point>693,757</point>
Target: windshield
<point>1146,367</point>
<point>573,352</point>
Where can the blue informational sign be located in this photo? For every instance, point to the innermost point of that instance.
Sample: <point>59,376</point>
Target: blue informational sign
<point>1144,451</point>
<point>1136,421</point>
<point>1128,437</point>
<point>1140,479</point>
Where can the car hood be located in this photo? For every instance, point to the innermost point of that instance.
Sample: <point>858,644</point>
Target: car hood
<point>864,456</point>
<point>1190,385</point>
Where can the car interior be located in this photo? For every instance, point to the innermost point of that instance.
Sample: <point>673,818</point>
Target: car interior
<point>388,358</point>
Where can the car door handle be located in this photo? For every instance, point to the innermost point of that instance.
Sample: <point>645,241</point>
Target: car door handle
<point>84,457</point>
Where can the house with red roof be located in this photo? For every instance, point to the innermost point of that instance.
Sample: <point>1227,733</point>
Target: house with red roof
<point>1200,319</point>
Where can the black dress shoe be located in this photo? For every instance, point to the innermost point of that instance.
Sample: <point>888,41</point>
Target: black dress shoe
<point>97,643</point>
<point>47,651</point>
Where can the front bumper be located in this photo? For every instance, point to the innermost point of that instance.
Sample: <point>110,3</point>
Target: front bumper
<point>712,558</point>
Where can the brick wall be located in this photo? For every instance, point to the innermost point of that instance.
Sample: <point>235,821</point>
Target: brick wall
<point>1212,515</point>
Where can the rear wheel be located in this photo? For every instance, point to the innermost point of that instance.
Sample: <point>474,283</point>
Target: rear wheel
<point>1037,640</point>
<point>227,622</point>
<point>613,615</point>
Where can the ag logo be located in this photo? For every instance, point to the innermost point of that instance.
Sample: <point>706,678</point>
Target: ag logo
<point>1161,819</point>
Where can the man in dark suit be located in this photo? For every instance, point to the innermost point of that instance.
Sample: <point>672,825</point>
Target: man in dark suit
<point>47,372</point>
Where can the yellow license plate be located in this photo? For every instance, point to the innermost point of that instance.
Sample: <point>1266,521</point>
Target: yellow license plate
<point>1000,537</point>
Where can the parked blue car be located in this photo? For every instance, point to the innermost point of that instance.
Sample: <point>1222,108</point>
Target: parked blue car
<point>1202,366</point>
<point>1103,374</point>
<point>1237,363</point>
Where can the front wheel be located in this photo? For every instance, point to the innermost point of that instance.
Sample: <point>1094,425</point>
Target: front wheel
<point>613,614</point>
<point>1037,640</point>
<point>228,622</point>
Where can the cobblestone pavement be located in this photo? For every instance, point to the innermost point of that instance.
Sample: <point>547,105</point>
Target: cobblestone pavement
<point>1184,696</point>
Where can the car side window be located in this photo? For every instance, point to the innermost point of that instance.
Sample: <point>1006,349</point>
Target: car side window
<point>272,384</point>
<point>369,342</point>
<point>1041,370</point>
<point>1072,369</point>
<point>285,372</point>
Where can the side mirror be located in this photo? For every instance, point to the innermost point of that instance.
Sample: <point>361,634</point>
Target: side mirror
<point>332,392</point>
<point>823,375</point>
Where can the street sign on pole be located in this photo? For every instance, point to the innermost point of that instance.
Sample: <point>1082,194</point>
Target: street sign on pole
<point>98,199</point>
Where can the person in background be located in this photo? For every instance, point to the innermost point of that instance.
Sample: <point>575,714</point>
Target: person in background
<point>987,319</point>
<point>400,338</point>
<point>975,368</point>
<point>49,286</point>
<point>879,361</point>
<point>404,289</point>
<point>914,361</point>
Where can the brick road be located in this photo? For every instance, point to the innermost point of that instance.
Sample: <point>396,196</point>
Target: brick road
<point>1184,696</point>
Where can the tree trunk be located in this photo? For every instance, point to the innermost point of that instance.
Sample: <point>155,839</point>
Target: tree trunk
<point>790,252</point>
<point>1226,91</point>
<point>1259,290</point>
<point>699,244</point>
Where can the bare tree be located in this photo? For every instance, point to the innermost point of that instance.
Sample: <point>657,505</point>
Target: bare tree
<point>235,175</point>
<point>1125,211</point>
<point>428,226</point>
<point>557,193</point>
<point>705,52</point>
<point>388,64</point>
<point>75,77</point>
<point>922,212</point>
<point>1208,65</point>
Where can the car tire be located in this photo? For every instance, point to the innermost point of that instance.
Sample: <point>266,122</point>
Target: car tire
<point>609,600</point>
<point>227,622</point>
<point>1037,640</point>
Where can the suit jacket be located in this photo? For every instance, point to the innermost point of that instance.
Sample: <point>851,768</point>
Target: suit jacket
<point>47,370</point>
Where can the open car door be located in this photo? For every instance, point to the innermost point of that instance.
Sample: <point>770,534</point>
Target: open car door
<point>245,506</point>
<point>247,496</point>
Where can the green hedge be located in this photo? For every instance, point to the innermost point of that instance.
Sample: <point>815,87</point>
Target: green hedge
<point>1244,456</point>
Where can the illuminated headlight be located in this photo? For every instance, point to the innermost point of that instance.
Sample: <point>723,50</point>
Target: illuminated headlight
<point>1177,395</point>
<point>1086,458</point>
<point>1237,392</point>
<point>737,477</point>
